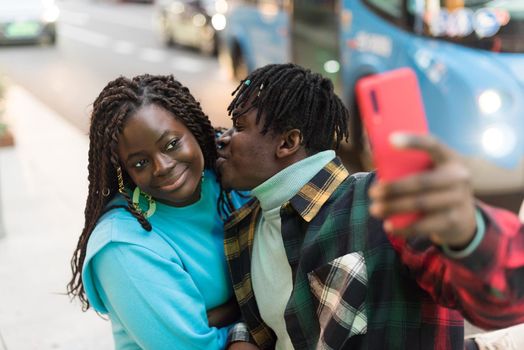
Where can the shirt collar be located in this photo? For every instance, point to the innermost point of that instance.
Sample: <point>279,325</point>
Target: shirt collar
<point>308,201</point>
<point>281,187</point>
<point>241,213</point>
<point>311,197</point>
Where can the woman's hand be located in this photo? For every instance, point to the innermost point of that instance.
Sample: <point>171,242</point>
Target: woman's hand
<point>224,315</point>
<point>443,195</point>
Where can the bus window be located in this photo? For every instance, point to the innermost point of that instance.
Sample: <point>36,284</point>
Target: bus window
<point>481,24</point>
<point>315,37</point>
<point>393,11</point>
<point>389,8</point>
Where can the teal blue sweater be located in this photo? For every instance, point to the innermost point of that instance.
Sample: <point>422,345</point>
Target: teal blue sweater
<point>156,286</point>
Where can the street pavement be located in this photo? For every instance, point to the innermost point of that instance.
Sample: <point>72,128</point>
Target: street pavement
<point>43,186</point>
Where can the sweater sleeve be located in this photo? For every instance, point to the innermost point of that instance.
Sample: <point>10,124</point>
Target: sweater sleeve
<point>486,285</point>
<point>155,300</point>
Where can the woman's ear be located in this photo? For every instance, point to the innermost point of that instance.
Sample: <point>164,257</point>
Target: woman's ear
<point>290,143</point>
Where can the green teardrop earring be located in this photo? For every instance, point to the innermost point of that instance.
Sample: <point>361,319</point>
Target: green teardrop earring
<point>136,202</point>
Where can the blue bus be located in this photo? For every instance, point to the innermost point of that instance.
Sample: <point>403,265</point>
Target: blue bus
<point>468,56</point>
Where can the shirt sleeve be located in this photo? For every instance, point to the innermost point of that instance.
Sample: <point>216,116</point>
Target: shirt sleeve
<point>156,301</point>
<point>487,285</point>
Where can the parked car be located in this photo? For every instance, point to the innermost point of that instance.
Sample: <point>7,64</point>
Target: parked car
<point>31,21</point>
<point>192,23</point>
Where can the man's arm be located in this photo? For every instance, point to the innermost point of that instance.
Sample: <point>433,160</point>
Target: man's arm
<point>463,265</point>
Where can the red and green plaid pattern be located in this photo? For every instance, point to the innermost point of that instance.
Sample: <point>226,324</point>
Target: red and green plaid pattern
<point>355,287</point>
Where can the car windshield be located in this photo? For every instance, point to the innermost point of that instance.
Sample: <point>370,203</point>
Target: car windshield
<point>495,25</point>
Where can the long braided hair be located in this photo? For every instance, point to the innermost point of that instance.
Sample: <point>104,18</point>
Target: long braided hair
<point>292,97</point>
<point>120,99</point>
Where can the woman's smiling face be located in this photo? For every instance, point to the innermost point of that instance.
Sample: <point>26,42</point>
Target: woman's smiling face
<point>161,156</point>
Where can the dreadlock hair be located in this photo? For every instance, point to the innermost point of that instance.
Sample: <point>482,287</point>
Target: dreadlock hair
<point>120,99</point>
<point>292,97</point>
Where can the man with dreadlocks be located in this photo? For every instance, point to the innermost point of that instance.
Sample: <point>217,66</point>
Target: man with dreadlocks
<point>312,269</point>
<point>150,254</point>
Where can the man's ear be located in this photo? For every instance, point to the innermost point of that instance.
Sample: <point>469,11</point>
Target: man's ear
<point>290,143</point>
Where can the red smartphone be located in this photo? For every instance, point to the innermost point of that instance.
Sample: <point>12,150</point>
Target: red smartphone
<point>391,102</point>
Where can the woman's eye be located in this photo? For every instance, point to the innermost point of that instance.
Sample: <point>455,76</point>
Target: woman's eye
<point>140,164</point>
<point>171,145</point>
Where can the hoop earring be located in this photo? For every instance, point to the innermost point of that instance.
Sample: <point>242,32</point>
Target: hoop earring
<point>136,202</point>
<point>106,191</point>
<point>120,178</point>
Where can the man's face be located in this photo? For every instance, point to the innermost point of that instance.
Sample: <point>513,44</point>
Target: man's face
<point>247,157</point>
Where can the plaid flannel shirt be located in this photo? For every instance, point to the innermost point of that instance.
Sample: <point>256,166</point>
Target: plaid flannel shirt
<point>355,287</point>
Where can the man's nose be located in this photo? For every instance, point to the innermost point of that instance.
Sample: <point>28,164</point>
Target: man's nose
<point>224,139</point>
<point>163,164</point>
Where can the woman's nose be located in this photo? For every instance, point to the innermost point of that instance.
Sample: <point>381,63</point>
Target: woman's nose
<point>163,164</point>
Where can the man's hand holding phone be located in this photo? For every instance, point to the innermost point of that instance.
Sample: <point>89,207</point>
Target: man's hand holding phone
<point>442,194</point>
<point>423,187</point>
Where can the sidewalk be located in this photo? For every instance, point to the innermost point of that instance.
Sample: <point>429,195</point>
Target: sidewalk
<point>43,184</point>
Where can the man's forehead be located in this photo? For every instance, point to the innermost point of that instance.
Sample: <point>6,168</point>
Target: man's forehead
<point>244,111</point>
<point>246,102</point>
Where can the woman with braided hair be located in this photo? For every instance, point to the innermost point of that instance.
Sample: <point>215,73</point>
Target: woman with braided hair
<point>151,251</point>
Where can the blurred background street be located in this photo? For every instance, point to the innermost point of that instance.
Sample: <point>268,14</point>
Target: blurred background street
<point>48,92</point>
<point>98,41</point>
<point>43,178</point>
<point>43,184</point>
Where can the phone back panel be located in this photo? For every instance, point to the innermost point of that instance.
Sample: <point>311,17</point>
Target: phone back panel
<point>391,102</point>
